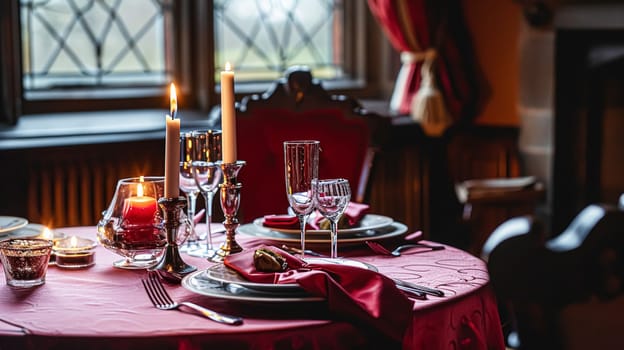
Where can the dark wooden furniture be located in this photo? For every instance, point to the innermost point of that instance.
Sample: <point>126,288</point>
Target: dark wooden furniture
<point>566,292</point>
<point>589,53</point>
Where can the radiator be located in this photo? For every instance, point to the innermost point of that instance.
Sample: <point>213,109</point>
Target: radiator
<point>75,192</point>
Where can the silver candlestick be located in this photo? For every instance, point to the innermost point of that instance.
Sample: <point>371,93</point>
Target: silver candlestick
<point>230,201</point>
<point>171,261</point>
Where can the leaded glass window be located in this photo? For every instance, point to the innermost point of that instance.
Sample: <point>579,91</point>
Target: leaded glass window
<point>262,38</point>
<point>93,43</point>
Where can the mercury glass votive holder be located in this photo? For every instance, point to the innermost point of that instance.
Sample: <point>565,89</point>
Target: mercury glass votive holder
<point>25,261</point>
<point>132,226</point>
<point>74,252</point>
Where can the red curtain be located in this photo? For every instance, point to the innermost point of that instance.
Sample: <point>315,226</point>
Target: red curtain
<point>430,33</point>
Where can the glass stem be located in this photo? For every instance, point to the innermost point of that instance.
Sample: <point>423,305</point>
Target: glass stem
<point>191,199</point>
<point>208,200</point>
<point>303,219</point>
<point>334,238</point>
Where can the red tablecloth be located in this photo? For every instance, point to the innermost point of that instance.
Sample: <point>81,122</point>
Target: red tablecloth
<point>106,308</point>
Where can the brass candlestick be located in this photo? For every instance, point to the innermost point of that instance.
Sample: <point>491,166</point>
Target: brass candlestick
<point>171,262</point>
<point>230,201</point>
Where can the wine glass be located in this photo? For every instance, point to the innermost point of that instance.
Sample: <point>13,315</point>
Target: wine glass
<point>331,198</point>
<point>189,187</point>
<point>207,176</point>
<point>301,167</point>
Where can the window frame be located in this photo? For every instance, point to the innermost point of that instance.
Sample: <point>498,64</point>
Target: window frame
<point>191,49</point>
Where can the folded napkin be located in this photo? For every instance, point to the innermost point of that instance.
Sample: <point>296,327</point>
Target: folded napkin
<point>283,221</point>
<point>354,213</point>
<point>359,294</point>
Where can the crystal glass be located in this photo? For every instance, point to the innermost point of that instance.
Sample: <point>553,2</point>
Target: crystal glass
<point>25,261</point>
<point>301,167</point>
<point>331,198</point>
<point>189,186</point>
<point>207,175</point>
<point>132,226</point>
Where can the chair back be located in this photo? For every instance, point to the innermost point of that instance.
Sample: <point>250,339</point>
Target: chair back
<point>566,292</point>
<point>298,108</point>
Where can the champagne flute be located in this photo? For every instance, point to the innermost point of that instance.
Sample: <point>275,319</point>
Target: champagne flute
<point>331,198</point>
<point>207,175</point>
<point>189,187</point>
<point>301,167</point>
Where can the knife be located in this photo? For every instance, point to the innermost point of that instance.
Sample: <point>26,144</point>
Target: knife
<point>426,290</point>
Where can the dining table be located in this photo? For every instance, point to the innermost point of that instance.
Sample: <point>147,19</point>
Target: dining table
<point>104,307</point>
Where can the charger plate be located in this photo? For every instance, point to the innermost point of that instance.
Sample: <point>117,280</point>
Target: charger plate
<point>27,231</point>
<point>223,274</point>
<point>223,282</point>
<point>198,283</point>
<point>394,229</point>
<point>368,222</point>
<point>10,223</point>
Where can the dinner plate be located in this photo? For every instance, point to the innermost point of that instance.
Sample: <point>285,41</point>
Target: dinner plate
<point>368,222</point>
<point>10,223</point>
<point>223,274</point>
<point>28,231</point>
<point>394,229</point>
<point>197,282</point>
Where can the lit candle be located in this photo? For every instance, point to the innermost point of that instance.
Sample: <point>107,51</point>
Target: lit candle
<point>74,252</point>
<point>228,116</point>
<point>172,149</point>
<point>139,209</point>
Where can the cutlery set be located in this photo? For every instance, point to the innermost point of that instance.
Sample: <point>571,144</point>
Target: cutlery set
<point>161,299</point>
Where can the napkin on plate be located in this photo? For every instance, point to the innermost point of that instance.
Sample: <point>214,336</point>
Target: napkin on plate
<point>353,292</point>
<point>282,221</point>
<point>354,213</point>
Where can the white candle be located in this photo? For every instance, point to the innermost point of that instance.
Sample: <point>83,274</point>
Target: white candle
<point>172,150</point>
<point>228,116</point>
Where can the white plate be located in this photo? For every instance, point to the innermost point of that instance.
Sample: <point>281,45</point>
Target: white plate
<point>223,274</point>
<point>28,231</point>
<point>368,222</point>
<point>197,282</point>
<point>392,230</point>
<point>10,223</point>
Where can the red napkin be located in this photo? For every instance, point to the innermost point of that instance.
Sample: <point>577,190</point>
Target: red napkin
<point>354,212</point>
<point>360,294</point>
<point>282,221</point>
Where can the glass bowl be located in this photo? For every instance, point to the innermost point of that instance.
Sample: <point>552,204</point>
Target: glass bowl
<point>132,226</point>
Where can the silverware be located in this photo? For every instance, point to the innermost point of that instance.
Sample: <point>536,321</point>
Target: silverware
<point>426,290</point>
<point>294,250</point>
<point>161,300</point>
<point>380,249</point>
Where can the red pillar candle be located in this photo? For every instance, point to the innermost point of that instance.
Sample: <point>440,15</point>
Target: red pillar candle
<point>139,210</point>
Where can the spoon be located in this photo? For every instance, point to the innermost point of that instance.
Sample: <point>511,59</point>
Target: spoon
<point>379,249</point>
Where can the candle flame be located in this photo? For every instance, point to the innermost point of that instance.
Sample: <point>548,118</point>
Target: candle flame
<point>173,101</point>
<point>228,66</point>
<point>47,234</point>
<point>73,242</point>
<point>140,190</point>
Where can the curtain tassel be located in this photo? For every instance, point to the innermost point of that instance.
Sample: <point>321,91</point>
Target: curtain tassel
<point>428,106</point>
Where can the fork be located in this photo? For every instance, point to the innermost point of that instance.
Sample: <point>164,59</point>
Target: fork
<point>161,300</point>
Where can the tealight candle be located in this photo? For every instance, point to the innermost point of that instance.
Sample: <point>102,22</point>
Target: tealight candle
<point>53,236</point>
<point>74,252</point>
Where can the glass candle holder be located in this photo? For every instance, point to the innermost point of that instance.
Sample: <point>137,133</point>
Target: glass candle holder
<point>74,252</point>
<point>132,226</point>
<point>25,261</point>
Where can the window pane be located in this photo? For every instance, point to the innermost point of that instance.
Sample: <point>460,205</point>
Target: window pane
<point>86,43</point>
<point>262,38</point>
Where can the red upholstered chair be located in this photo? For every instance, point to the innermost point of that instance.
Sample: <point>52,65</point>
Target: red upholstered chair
<point>297,107</point>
